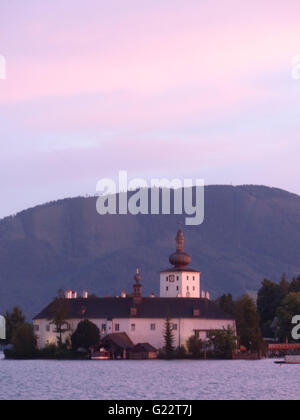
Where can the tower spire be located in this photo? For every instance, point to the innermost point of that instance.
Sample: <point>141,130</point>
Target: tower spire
<point>180,259</point>
<point>137,287</point>
<point>180,239</point>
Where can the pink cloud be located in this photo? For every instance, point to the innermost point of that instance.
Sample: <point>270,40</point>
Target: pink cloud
<point>159,87</point>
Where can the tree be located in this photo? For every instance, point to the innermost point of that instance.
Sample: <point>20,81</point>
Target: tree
<point>295,285</point>
<point>195,347</point>
<point>24,341</point>
<point>284,285</point>
<point>169,339</point>
<point>227,304</point>
<point>13,320</point>
<point>86,335</point>
<point>288,309</point>
<point>269,298</point>
<point>59,313</point>
<point>247,320</point>
<point>224,342</point>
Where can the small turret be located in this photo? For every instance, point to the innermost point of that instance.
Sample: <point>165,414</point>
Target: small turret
<point>137,288</point>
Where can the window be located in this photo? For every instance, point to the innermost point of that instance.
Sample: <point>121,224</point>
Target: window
<point>194,278</point>
<point>167,288</point>
<point>177,288</point>
<point>167,278</point>
<point>117,327</point>
<point>132,327</point>
<point>103,327</point>
<point>194,288</point>
<point>153,327</point>
<point>187,277</point>
<point>174,327</point>
<point>177,278</point>
<point>187,288</point>
<point>172,278</point>
<point>36,328</point>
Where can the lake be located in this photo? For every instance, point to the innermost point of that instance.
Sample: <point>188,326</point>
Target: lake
<point>200,380</point>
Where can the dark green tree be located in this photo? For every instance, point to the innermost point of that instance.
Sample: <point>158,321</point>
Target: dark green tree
<point>295,285</point>
<point>284,285</point>
<point>196,347</point>
<point>288,309</point>
<point>227,304</point>
<point>269,298</point>
<point>247,320</point>
<point>169,339</point>
<point>59,314</point>
<point>24,341</point>
<point>224,342</point>
<point>86,335</point>
<point>13,320</point>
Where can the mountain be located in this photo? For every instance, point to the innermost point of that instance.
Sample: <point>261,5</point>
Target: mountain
<point>249,233</point>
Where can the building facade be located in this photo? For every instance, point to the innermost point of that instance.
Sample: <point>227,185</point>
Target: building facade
<point>142,318</point>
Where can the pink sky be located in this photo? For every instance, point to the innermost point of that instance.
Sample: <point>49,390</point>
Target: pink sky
<point>171,88</point>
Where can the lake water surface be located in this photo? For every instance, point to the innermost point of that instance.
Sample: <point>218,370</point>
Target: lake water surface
<point>129,380</point>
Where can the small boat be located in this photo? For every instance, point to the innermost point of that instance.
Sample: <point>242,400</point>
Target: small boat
<point>100,355</point>
<point>290,360</point>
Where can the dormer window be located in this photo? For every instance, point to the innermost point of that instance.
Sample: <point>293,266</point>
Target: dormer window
<point>196,312</point>
<point>133,311</point>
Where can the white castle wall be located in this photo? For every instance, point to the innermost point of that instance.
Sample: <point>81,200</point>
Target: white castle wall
<point>142,332</point>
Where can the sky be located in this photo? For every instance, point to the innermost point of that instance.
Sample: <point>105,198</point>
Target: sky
<point>169,88</point>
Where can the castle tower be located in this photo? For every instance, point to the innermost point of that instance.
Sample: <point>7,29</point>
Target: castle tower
<point>180,280</point>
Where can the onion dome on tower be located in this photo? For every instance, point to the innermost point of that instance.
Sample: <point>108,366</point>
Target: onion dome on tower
<point>180,259</point>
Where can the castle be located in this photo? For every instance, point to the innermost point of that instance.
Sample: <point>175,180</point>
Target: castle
<point>143,318</point>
